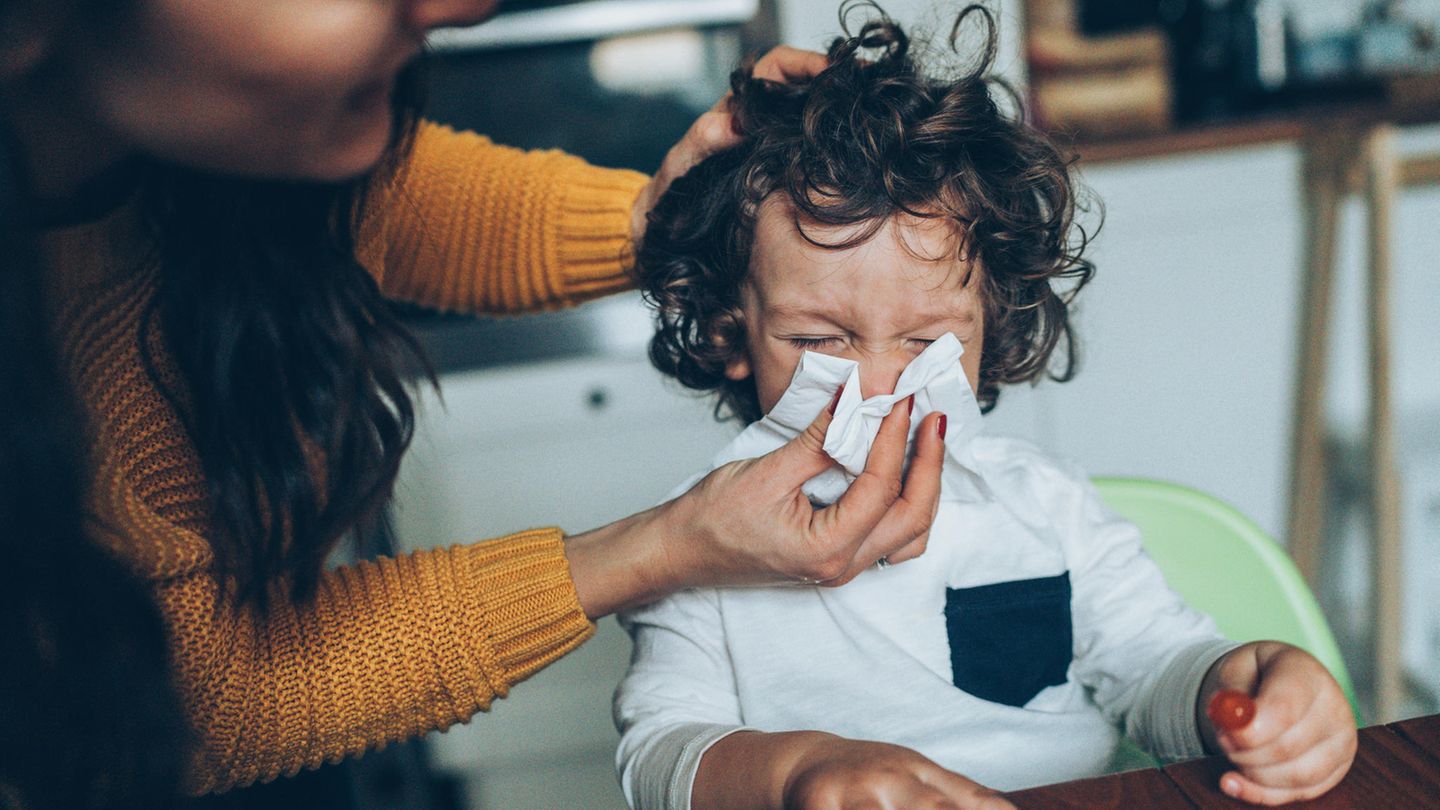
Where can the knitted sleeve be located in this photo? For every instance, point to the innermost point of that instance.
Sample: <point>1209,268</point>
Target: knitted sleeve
<point>465,225</point>
<point>386,651</point>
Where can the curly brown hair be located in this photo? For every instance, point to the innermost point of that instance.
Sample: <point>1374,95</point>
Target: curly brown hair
<point>870,137</point>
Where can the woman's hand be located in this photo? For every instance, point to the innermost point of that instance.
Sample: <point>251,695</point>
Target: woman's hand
<point>810,770</point>
<point>1302,739</point>
<point>748,523</point>
<point>714,131</point>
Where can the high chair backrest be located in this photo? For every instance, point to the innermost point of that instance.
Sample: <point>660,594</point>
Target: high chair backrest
<point>1226,566</point>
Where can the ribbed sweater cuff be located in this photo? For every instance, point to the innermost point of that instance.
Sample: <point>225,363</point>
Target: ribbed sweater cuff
<point>531,613</point>
<point>595,251</point>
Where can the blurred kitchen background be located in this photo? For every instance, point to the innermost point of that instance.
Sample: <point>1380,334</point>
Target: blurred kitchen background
<point>1190,332</point>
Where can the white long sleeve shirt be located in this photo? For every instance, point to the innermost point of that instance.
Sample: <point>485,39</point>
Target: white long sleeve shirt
<point>1032,631</point>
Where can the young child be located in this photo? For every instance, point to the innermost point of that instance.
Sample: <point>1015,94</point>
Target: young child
<point>902,237</point>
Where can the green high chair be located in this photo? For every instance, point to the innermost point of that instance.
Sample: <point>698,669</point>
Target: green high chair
<point>1226,566</point>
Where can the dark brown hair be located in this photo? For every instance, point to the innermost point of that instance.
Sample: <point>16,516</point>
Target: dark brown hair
<point>295,370</point>
<point>870,137</point>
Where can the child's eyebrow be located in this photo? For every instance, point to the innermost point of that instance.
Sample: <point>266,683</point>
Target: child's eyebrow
<point>798,311</point>
<point>963,316</point>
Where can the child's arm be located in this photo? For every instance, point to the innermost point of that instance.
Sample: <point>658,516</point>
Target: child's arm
<point>811,770</point>
<point>676,699</point>
<point>1154,664</point>
<point>1139,648</point>
<point>1301,740</point>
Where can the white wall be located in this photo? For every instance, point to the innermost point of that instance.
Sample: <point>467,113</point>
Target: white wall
<point>1190,326</point>
<point>1187,332</point>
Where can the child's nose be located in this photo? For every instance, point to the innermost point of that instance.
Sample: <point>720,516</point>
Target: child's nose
<point>878,374</point>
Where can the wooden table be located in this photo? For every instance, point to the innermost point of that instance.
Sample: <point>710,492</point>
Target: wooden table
<point>1397,766</point>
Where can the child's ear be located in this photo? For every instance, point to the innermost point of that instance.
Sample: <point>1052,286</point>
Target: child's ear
<point>738,368</point>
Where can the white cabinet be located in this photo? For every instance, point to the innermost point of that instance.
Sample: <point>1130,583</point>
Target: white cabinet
<point>576,444</point>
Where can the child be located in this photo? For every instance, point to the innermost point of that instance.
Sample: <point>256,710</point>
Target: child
<point>900,235</point>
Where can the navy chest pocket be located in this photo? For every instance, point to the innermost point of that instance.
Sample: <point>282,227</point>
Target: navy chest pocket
<point>1010,640</point>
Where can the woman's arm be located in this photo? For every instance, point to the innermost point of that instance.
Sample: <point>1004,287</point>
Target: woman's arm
<point>386,651</point>
<point>466,225</point>
<point>392,649</point>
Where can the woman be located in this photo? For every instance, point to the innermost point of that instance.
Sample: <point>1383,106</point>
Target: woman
<point>226,194</point>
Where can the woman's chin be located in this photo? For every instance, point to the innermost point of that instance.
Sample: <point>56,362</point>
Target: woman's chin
<point>353,153</point>
<point>357,135</point>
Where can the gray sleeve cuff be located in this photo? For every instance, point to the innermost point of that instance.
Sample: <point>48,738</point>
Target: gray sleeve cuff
<point>1163,719</point>
<point>662,788</point>
<point>682,783</point>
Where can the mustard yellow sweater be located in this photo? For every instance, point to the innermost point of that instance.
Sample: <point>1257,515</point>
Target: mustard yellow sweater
<point>387,650</point>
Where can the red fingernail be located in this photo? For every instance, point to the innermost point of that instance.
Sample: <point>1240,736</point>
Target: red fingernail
<point>911,399</point>
<point>941,426</point>
<point>836,401</point>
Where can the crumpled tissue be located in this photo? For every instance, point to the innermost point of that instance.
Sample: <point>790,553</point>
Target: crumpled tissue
<point>934,377</point>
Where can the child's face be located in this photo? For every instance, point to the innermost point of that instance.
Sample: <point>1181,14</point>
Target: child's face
<point>880,303</point>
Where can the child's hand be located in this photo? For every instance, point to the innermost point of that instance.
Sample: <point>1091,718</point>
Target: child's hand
<point>1302,739</point>
<point>811,770</point>
<point>842,773</point>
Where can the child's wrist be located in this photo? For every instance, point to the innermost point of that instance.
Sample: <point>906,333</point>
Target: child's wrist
<point>1209,685</point>
<point>792,760</point>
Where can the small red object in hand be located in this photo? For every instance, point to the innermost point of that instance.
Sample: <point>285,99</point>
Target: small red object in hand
<point>1230,710</point>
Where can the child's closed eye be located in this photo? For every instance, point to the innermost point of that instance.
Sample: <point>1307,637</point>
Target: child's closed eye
<point>819,343</point>
<point>814,343</point>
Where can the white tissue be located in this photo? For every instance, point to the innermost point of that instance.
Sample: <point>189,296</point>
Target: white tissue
<point>934,377</point>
